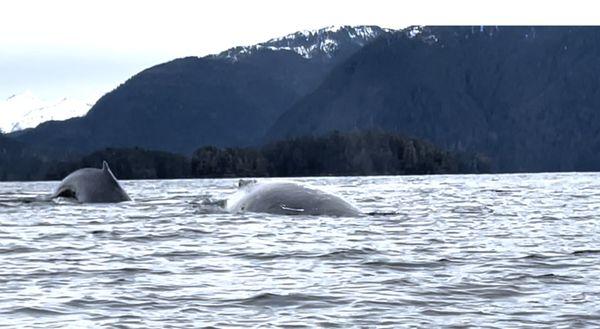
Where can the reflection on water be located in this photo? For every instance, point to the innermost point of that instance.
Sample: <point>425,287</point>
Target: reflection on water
<point>493,250</point>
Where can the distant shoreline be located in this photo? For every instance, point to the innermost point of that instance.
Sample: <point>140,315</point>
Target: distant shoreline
<point>336,154</point>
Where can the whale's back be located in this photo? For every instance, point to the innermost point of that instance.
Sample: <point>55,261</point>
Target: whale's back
<point>92,185</point>
<point>290,199</point>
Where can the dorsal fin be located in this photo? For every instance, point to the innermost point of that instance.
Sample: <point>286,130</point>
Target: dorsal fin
<point>106,170</point>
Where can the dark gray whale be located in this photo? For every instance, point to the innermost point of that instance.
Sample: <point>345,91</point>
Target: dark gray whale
<point>91,185</point>
<point>288,199</point>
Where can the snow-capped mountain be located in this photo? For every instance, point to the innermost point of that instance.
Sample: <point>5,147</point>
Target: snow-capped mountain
<point>317,44</point>
<point>227,99</point>
<point>25,110</point>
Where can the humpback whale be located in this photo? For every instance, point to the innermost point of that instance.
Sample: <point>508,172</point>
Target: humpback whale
<point>91,185</point>
<point>287,198</point>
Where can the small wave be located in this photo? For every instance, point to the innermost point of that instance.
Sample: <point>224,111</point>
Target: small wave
<point>399,281</point>
<point>486,291</point>
<point>135,270</point>
<point>209,206</point>
<point>17,250</point>
<point>151,237</point>
<point>350,253</point>
<point>100,232</point>
<point>382,213</point>
<point>586,252</point>
<point>546,278</point>
<point>284,300</point>
<point>582,316</point>
<point>109,303</point>
<point>23,198</point>
<point>193,231</point>
<point>82,302</point>
<point>472,210</point>
<point>434,312</point>
<point>36,311</point>
<point>498,191</point>
<point>20,201</point>
<point>43,273</point>
<point>407,266</point>
<point>500,293</point>
<point>180,253</point>
<point>537,256</point>
<point>339,254</point>
<point>270,256</point>
<point>373,198</point>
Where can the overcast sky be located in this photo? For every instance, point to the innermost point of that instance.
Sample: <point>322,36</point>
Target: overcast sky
<point>82,49</point>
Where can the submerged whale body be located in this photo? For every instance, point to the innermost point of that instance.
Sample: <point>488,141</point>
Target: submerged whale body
<point>91,185</point>
<point>288,199</point>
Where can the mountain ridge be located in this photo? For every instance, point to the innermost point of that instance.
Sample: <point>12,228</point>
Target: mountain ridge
<point>524,96</point>
<point>311,44</point>
<point>180,105</point>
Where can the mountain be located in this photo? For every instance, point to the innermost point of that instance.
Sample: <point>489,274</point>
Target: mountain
<point>228,99</point>
<point>528,97</point>
<point>25,110</point>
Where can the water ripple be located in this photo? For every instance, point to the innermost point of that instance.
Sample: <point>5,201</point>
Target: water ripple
<point>490,251</point>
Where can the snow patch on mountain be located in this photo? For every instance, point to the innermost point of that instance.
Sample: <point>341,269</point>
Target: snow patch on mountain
<point>25,110</point>
<point>321,43</point>
<point>413,31</point>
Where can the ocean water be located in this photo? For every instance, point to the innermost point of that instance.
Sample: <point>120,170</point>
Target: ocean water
<point>493,251</point>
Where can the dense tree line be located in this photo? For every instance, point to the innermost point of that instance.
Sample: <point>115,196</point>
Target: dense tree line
<point>367,153</point>
<point>17,162</point>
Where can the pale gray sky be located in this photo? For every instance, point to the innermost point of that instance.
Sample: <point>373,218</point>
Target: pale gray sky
<point>83,49</point>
